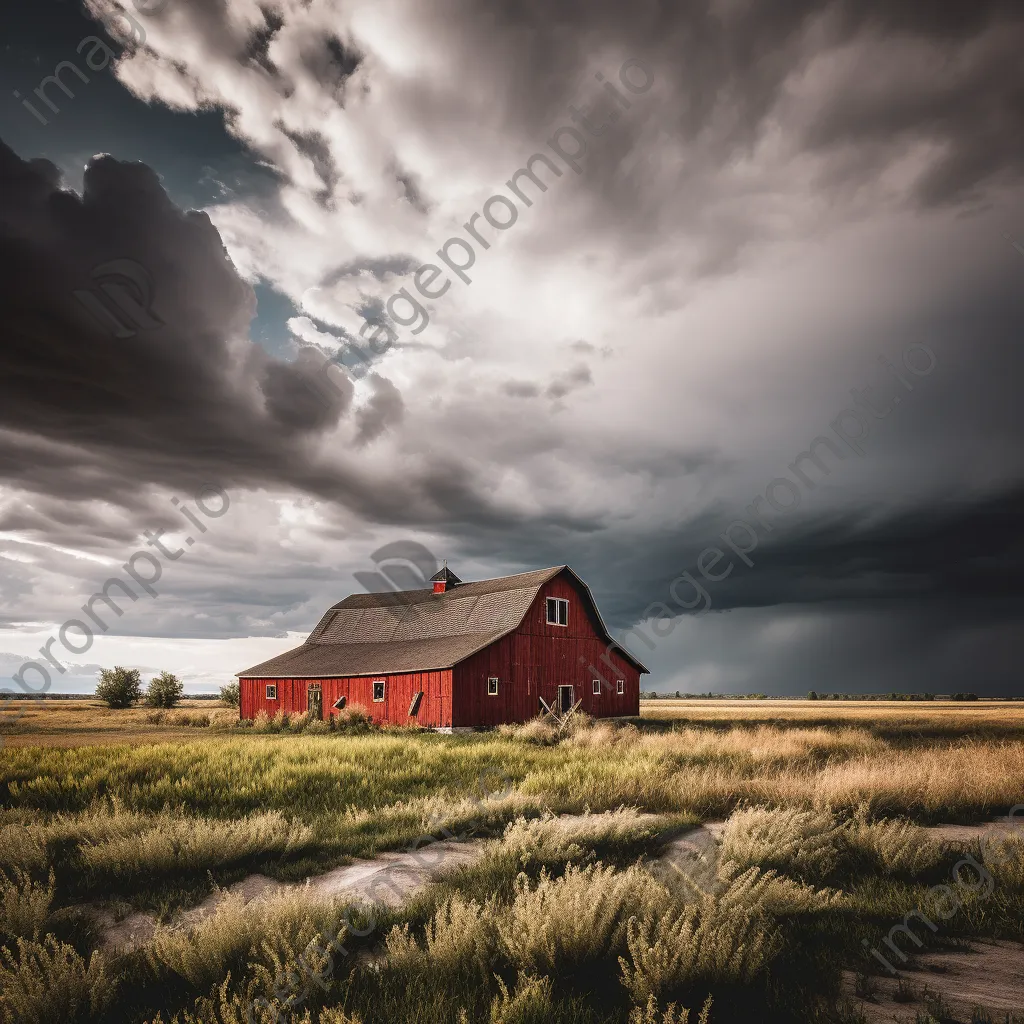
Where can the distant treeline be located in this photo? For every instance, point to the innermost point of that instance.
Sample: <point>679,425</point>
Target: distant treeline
<point>92,696</point>
<point>813,695</point>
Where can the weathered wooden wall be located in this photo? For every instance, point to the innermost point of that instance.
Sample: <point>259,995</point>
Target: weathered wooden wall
<point>435,707</point>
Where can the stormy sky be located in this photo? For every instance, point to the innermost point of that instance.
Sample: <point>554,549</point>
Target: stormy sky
<point>753,226</point>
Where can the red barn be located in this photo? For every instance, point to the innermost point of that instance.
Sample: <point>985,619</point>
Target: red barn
<point>460,656</point>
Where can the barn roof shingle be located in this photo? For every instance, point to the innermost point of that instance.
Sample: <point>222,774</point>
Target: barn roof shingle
<point>414,630</point>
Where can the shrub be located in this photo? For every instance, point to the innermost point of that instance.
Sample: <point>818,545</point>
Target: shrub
<point>119,687</point>
<point>167,844</point>
<point>650,1014</point>
<point>353,719</point>
<point>548,839</point>
<point>809,844</point>
<point>231,694</point>
<point>581,916</point>
<point>266,723</point>
<point>24,905</point>
<point>267,935</point>
<point>893,846</point>
<point>1004,856</point>
<point>459,940</point>
<point>529,1004</point>
<point>164,691</point>
<point>725,940</point>
<point>49,983</point>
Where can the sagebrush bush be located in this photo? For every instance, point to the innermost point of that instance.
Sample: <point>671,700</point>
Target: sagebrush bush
<point>530,1003</point>
<point>250,1007</point>
<point>24,905</point>
<point>892,846</point>
<point>549,838</point>
<point>724,939</point>
<point>460,938</point>
<point>264,935</point>
<point>354,719</point>
<point>22,847</point>
<point>541,731</point>
<point>807,843</point>
<point>47,982</point>
<point>652,1014</point>
<point>1004,857</point>
<point>564,922</point>
<point>170,844</point>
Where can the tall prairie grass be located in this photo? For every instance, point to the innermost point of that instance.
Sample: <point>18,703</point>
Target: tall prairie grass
<point>560,920</point>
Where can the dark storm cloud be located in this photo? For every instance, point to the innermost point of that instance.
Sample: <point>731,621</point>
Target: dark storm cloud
<point>944,76</point>
<point>383,410</point>
<point>187,397</point>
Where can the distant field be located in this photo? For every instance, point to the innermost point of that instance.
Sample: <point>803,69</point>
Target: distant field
<point>135,812</point>
<point>80,722</point>
<point>952,715</point>
<point>59,723</point>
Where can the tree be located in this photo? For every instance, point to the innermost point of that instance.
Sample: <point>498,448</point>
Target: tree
<point>119,687</point>
<point>164,691</point>
<point>812,695</point>
<point>230,694</point>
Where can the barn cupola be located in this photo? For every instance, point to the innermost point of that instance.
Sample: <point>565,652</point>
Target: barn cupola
<point>444,580</point>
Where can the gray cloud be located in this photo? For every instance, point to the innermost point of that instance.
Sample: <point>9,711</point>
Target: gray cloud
<point>804,186</point>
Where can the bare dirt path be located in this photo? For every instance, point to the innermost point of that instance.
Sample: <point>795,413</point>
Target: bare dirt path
<point>391,878</point>
<point>989,976</point>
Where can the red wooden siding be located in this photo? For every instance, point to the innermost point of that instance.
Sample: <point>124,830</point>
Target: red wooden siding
<point>536,658</point>
<point>435,706</point>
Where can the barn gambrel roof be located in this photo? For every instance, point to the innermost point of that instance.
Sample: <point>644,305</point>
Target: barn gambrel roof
<point>417,630</point>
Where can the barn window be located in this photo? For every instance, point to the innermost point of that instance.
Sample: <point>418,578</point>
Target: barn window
<point>492,686</point>
<point>271,691</point>
<point>378,690</point>
<point>597,686</point>
<point>558,611</point>
<point>620,685</point>
<point>339,704</point>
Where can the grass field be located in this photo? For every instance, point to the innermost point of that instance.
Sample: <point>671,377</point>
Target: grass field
<point>823,849</point>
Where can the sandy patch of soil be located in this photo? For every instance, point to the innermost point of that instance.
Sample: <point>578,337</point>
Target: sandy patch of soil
<point>989,976</point>
<point>692,856</point>
<point>964,835</point>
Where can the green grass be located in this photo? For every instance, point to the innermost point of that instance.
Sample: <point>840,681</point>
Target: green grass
<point>553,923</point>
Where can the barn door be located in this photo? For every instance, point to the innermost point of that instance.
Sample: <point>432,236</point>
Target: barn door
<point>564,699</point>
<point>315,701</point>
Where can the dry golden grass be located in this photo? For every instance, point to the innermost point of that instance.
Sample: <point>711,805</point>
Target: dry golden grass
<point>72,723</point>
<point>947,712</point>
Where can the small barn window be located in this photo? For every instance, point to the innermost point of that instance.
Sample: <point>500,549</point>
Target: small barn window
<point>378,690</point>
<point>339,704</point>
<point>492,686</point>
<point>620,685</point>
<point>271,691</point>
<point>558,611</point>
<point>597,686</point>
